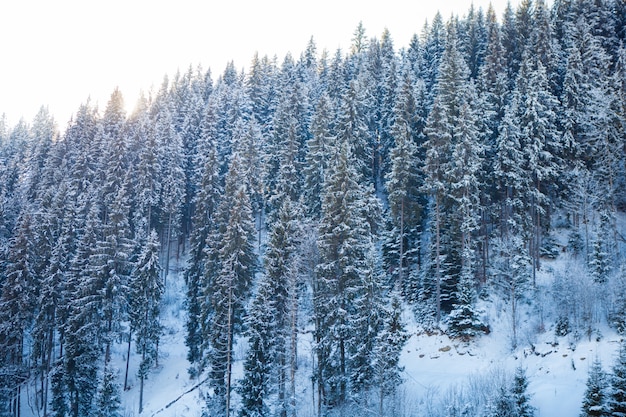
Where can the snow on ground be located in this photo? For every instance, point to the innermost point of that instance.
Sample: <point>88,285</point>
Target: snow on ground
<point>556,367</point>
<point>170,381</point>
<point>435,366</point>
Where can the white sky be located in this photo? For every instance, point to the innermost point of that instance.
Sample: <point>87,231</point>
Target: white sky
<point>60,52</point>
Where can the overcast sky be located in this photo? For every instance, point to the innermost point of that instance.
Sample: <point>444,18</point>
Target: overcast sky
<point>60,52</point>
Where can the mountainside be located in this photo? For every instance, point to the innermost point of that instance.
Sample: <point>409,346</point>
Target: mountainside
<point>435,230</point>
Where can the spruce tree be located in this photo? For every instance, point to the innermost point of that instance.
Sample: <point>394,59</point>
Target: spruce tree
<point>617,395</point>
<point>519,394</point>
<point>206,202</point>
<point>108,401</point>
<point>344,238</point>
<point>146,290</point>
<point>406,201</point>
<point>229,270</point>
<point>594,400</point>
<point>387,349</point>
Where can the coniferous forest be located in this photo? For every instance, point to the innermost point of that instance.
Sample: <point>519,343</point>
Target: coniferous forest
<point>328,195</point>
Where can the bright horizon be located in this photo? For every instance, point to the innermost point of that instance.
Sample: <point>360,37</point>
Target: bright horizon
<point>60,53</point>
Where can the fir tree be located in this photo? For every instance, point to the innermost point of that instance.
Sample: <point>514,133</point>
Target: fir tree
<point>228,270</point>
<point>146,290</point>
<point>344,238</point>
<point>387,349</point>
<point>519,395</point>
<point>407,202</point>
<point>594,400</point>
<point>616,401</point>
<point>108,401</point>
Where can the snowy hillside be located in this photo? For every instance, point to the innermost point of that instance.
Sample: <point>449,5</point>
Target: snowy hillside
<point>438,371</point>
<point>424,231</point>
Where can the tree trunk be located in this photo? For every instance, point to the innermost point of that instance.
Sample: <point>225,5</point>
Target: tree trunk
<point>229,344</point>
<point>130,338</point>
<point>143,358</point>
<point>167,256</point>
<point>437,258</point>
<point>294,350</point>
<point>381,397</point>
<point>401,264</point>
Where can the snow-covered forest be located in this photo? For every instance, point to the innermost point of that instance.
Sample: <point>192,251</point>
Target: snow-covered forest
<point>303,221</point>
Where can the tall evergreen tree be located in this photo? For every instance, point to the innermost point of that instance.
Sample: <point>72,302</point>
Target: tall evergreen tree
<point>344,238</point>
<point>229,270</point>
<point>206,203</point>
<point>407,202</point>
<point>146,290</point>
<point>17,306</point>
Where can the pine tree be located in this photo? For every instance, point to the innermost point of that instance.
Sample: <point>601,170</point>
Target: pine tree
<point>387,349</point>
<point>617,395</point>
<point>261,357</point>
<point>17,305</point>
<point>519,394</point>
<point>352,126</point>
<point>511,269</point>
<point>501,405</point>
<point>229,270</point>
<point>344,237</point>
<point>594,400</point>
<point>464,319</point>
<point>51,296</point>
<point>434,36</point>
<point>76,382</point>
<point>206,204</point>
<point>146,290</point>
<point>172,180</point>
<point>110,267</point>
<point>452,162</point>
<point>146,187</point>
<point>317,156</point>
<point>407,202</point>
<point>108,401</point>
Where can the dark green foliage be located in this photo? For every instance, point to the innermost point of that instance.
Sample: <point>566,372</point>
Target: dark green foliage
<point>594,400</point>
<point>470,142</point>
<point>464,320</point>
<point>617,396</point>
<point>562,327</point>
<point>520,396</point>
<point>108,401</point>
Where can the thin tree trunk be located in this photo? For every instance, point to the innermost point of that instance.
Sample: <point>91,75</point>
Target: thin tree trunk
<point>438,260</point>
<point>140,394</point>
<point>381,396</point>
<point>130,334</point>
<point>229,350</point>
<point>167,256</point>
<point>400,275</point>
<point>143,358</point>
<point>294,351</point>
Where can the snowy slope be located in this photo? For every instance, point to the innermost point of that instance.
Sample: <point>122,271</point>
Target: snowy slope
<point>437,371</point>
<point>436,367</point>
